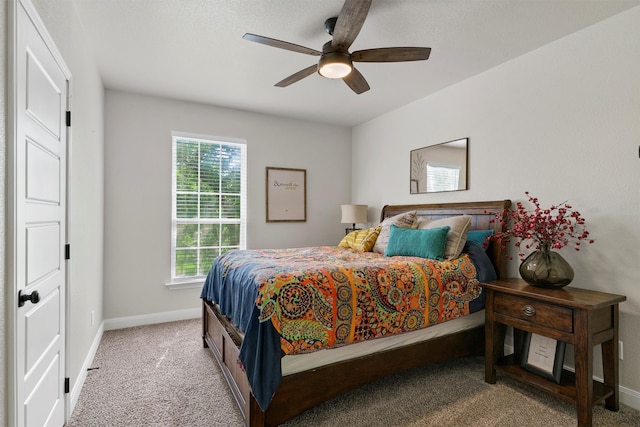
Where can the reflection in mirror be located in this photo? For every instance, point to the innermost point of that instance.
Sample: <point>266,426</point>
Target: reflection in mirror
<point>441,167</point>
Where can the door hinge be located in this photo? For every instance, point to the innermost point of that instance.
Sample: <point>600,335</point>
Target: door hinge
<point>67,251</point>
<point>68,118</point>
<point>66,385</point>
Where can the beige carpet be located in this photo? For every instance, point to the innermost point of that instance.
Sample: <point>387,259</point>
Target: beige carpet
<point>160,375</point>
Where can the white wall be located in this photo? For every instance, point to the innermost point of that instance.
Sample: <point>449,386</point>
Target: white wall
<point>86,184</point>
<point>562,122</point>
<point>138,190</point>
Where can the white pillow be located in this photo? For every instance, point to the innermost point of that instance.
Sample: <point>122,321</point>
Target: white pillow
<point>457,236</point>
<point>403,220</point>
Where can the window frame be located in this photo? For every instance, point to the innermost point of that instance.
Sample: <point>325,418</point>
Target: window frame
<point>178,282</point>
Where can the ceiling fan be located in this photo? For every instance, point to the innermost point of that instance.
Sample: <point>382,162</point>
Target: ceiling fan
<point>336,62</point>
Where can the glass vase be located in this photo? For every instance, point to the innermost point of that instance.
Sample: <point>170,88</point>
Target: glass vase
<point>546,269</point>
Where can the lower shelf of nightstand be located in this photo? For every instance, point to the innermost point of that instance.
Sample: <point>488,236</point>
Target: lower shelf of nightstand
<point>566,390</point>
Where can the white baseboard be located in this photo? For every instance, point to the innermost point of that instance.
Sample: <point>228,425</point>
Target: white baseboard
<point>150,319</point>
<point>88,361</point>
<point>630,397</point>
<point>626,395</point>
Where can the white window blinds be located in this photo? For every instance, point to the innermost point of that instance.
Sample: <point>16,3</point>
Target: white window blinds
<point>442,177</point>
<point>209,203</point>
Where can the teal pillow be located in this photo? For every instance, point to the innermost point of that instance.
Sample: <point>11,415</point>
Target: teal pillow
<point>427,243</point>
<point>479,237</point>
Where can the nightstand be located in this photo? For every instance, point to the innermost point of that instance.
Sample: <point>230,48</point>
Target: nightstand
<point>577,316</point>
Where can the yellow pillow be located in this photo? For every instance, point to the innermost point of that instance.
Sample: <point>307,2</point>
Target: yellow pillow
<point>362,240</point>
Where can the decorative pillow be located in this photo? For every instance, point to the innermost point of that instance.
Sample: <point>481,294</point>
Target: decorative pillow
<point>403,220</point>
<point>479,237</point>
<point>362,240</point>
<point>479,257</point>
<point>421,243</point>
<point>457,236</point>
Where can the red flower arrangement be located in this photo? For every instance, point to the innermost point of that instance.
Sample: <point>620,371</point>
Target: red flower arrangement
<point>546,229</point>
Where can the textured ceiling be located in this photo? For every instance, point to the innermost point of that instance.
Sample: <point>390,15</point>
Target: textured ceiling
<point>193,49</point>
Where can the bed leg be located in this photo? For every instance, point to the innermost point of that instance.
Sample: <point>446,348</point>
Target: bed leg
<point>256,416</point>
<point>204,324</point>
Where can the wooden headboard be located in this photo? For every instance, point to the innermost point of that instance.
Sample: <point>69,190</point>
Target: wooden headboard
<point>482,214</point>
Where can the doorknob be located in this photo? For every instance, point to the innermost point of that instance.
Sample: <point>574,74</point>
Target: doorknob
<point>34,297</point>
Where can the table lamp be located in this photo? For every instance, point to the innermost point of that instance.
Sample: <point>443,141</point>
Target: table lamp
<point>354,214</point>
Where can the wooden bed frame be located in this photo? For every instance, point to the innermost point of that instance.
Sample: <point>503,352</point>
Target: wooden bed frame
<point>301,391</point>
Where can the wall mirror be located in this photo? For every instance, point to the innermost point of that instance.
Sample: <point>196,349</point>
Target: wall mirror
<point>440,167</point>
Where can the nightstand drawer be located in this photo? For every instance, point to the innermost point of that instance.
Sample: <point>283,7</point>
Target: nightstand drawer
<point>534,312</point>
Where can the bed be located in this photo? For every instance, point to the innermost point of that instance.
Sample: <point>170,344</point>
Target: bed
<point>305,380</point>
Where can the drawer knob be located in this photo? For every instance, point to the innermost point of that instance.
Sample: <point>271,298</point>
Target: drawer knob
<point>528,310</point>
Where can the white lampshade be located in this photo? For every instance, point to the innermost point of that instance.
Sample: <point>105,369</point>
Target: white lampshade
<point>354,214</point>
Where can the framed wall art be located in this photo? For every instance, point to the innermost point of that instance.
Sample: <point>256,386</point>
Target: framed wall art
<point>543,356</point>
<point>286,194</point>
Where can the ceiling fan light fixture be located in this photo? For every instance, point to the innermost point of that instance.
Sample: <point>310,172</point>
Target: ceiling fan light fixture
<point>336,62</point>
<point>334,65</point>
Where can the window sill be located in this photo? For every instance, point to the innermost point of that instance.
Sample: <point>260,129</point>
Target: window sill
<point>186,284</point>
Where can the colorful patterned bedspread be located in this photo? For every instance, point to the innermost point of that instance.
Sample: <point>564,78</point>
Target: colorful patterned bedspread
<point>300,300</point>
<point>328,296</point>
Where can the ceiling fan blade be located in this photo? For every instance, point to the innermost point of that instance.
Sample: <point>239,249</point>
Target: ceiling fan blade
<point>391,54</point>
<point>297,76</point>
<point>350,21</point>
<point>356,81</point>
<point>281,44</point>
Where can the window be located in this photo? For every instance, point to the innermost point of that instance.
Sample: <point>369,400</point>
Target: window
<point>442,177</point>
<point>209,203</point>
